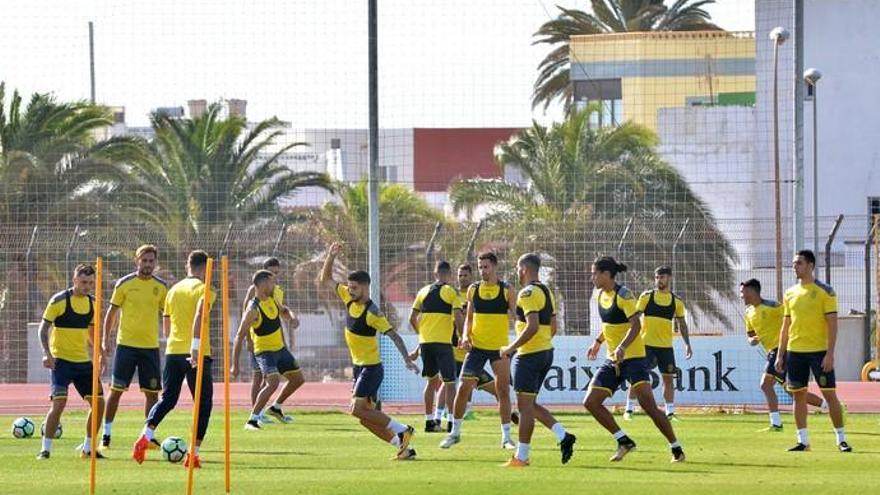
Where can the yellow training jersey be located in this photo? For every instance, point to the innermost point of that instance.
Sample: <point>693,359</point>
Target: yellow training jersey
<point>180,308</point>
<point>71,315</point>
<point>765,320</point>
<point>362,323</point>
<point>436,304</point>
<point>489,329</point>
<point>536,298</point>
<point>807,305</point>
<point>616,307</point>
<point>658,315</point>
<point>278,295</point>
<point>266,332</point>
<point>141,302</point>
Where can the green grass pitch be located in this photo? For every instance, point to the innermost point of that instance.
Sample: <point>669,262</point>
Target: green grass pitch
<point>323,453</point>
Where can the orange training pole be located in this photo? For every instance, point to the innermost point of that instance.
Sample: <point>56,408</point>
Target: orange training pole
<point>204,335</point>
<point>96,371</point>
<point>224,289</point>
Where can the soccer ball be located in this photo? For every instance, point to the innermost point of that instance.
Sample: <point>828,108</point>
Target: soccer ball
<point>58,431</point>
<point>23,428</point>
<point>173,449</point>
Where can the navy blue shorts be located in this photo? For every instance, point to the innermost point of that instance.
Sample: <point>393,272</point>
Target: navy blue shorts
<point>367,380</point>
<point>770,369</point>
<point>145,361</point>
<point>529,371</point>
<point>662,358</point>
<point>438,359</point>
<point>475,362</point>
<point>799,365</point>
<point>611,376</point>
<point>277,362</point>
<point>67,372</point>
<point>254,364</point>
<point>484,378</point>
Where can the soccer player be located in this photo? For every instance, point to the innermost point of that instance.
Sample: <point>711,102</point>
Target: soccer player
<point>363,321</point>
<point>181,325</point>
<point>763,321</point>
<point>535,329</point>
<point>140,296</point>
<point>806,345</point>
<point>626,359</point>
<point>490,307</point>
<point>485,381</point>
<point>70,315</point>
<point>435,317</point>
<point>660,309</point>
<point>263,323</point>
<point>273,265</point>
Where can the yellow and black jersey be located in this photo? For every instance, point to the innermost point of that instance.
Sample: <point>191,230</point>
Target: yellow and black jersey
<point>765,320</point>
<point>266,332</point>
<point>363,321</point>
<point>536,298</point>
<point>807,305</point>
<point>141,301</point>
<point>436,304</point>
<point>659,310</point>
<point>71,315</point>
<point>489,329</point>
<point>180,308</point>
<point>616,307</point>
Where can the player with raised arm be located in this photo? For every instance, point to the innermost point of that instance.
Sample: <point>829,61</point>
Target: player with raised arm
<point>363,322</point>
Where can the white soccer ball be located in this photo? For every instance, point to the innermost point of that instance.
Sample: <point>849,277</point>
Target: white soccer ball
<point>174,449</point>
<point>58,431</point>
<point>23,428</point>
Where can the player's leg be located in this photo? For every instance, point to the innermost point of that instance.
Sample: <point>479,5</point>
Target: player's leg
<point>124,365</point>
<point>206,406</point>
<point>666,366</point>
<point>149,377</point>
<point>768,387</point>
<point>501,367</point>
<point>446,391</point>
<point>53,419</point>
<point>431,374</point>
<point>83,383</point>
<point>797,370</point>
<point>470,370</point>
<point>828,386</point>
<point>661,420</point>
<point>605,382</point>
<point>668,393</point>
<point>256,380</point>
<point>175,371</point>
<point>271,381</point>
<point>367,385</point>
<point>357,404</point>
<point>290,370</point>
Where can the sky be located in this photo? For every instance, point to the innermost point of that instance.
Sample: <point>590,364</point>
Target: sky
<point>451,63</point>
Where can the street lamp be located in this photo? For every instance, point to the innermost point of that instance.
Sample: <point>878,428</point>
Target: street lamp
<point>778,36</point>
<point>811,77</point>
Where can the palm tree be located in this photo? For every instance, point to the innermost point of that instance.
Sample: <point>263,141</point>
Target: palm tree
<point>583,185</point>
<point>53,172</point>
<point>198,175</point>
<point>609,16</point>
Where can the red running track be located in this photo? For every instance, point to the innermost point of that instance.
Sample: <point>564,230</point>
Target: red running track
<point>860,397</point>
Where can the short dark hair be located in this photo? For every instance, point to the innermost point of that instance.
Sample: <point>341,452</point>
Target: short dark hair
<point>610,265</point>
<point>197,259</point>
<point>752,283</point>
<point>488,256</point>
<point>808,255</point>
<point>83,270</point>
<point>359,276</point>
<point>443,267</point>
<point>530,260</point>
<point>270,262</point>
<point>663,270</point>
<point>466,267</point>
<point>261,276</point>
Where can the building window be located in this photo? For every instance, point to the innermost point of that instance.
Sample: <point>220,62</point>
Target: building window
<point>873,209</point>
<point>809,91</point>
<point>606,92</point>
